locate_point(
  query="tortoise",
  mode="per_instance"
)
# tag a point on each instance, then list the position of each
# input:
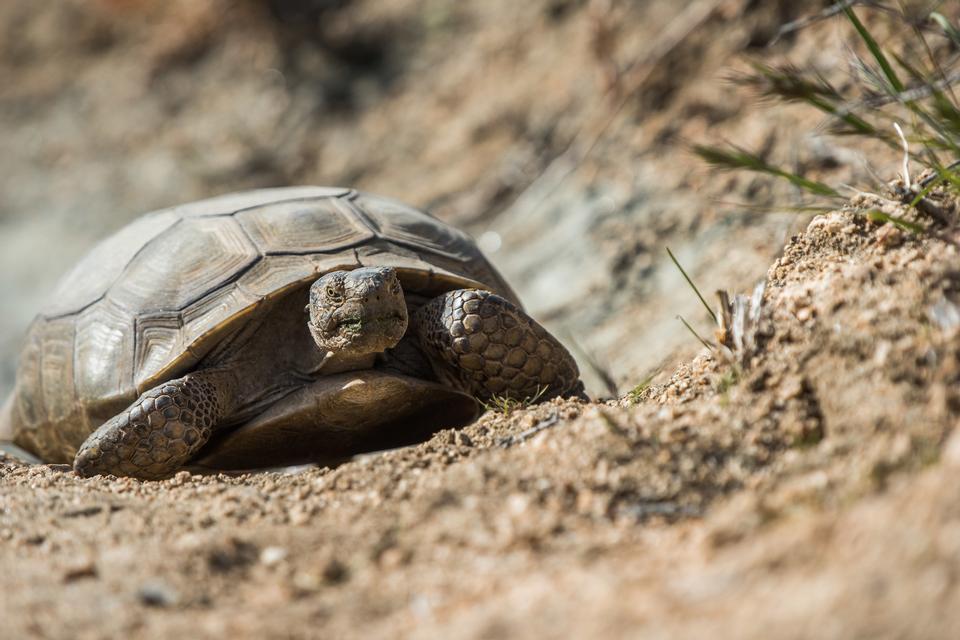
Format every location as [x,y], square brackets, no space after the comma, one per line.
[272,327]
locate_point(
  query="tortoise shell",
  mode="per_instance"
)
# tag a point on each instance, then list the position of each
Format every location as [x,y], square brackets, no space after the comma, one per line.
[150,301]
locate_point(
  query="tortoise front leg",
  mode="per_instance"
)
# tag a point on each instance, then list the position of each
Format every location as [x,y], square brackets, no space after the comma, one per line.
[163,429]
[484,345]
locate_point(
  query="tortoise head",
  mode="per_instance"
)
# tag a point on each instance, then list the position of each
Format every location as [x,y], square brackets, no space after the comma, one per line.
[357,313]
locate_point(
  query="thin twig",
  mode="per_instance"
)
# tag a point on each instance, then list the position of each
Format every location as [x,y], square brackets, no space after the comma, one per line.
[523,436]
[905,170]
[826,14]
[910,95]
[937,176]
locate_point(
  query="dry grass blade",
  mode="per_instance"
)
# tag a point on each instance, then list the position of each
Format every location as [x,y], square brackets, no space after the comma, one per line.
[692,286]
[915,93]
[886,82]
[739,321]
[826,14]
[695,334]
[948,29]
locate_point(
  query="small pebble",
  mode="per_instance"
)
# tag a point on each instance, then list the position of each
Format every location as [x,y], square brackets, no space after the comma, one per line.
[83,569]
[951,451]
[272,555]
[306,581]
[298,515]
[157,594]
[335,572]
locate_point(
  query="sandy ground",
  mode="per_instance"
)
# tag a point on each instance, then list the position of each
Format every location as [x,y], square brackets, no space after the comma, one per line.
[802,488]
[810,490]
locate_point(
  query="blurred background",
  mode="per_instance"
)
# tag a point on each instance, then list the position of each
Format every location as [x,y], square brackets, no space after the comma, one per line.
[555,131]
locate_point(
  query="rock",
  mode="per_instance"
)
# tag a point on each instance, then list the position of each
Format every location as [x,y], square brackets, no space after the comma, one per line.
[157,594]
[84,568]
[271,556]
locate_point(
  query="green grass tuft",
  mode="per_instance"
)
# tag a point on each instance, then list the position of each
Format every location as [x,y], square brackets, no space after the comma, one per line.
[506,404]
[635,395]
[875,50]
[912,88]
[906,225]
[728,380]
[734,157]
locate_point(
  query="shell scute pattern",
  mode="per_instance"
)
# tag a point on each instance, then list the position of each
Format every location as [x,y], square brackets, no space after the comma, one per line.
[302,227]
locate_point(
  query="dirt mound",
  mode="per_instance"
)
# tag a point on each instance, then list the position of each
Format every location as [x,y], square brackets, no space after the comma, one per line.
[808,491]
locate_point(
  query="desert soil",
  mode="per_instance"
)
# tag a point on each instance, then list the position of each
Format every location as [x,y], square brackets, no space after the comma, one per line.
[802,487]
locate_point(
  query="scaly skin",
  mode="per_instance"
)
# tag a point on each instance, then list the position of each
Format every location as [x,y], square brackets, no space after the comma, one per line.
[159,432]
[486,346]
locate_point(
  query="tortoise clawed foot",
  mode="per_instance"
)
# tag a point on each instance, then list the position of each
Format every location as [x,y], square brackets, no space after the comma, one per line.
[487,346]
[158,433]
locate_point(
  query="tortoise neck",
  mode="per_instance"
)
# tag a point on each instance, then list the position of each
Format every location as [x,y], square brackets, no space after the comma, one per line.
[338,363]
